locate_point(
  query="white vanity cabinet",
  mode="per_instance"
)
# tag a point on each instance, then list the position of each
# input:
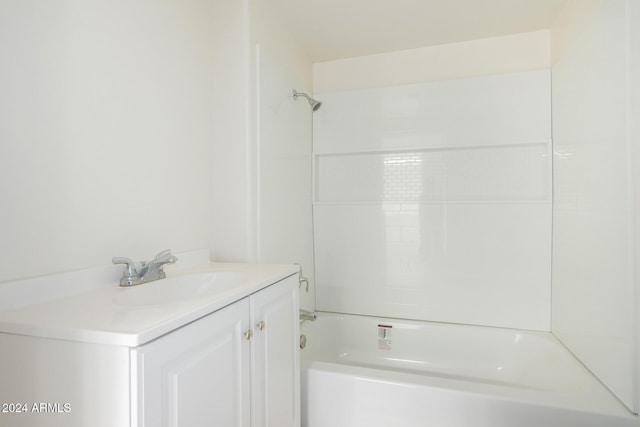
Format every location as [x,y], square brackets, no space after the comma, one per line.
[237,367]
[110,357]
[276,363]
[199,372]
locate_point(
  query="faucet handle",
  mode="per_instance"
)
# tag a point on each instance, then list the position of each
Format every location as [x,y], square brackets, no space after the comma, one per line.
[130,271]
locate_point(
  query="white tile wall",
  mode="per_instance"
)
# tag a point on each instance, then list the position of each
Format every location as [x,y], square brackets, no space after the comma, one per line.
[594,272]
[490,110]
[464,262]
[433,201]
[489,173]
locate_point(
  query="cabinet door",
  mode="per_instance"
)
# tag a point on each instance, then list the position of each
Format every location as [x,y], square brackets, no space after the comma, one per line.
[197,375]
[276,361]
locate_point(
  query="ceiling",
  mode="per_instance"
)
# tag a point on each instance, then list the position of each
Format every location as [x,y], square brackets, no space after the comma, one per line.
[335,29]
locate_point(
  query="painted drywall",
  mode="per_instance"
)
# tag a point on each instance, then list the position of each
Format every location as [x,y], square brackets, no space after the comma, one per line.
[233,232]
[284,230]
[634,114]
[595,233]
[105,129]
[132,128]
[519,52]
[262,150]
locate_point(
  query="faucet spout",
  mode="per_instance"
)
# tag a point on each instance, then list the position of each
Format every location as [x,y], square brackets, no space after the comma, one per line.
[153,270]
[307,315]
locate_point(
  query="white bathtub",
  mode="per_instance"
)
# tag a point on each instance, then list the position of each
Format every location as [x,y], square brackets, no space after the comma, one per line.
[360,371]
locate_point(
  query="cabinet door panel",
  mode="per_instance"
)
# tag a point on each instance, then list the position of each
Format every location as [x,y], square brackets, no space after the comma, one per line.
[198,375]
[276,362]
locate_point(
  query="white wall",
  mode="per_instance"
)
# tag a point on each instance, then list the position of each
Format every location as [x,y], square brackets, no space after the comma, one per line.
[519,52]
[284,231]
[105,131]
[595,127]
[132,127]
[262,150]
[233,161]
[634,114]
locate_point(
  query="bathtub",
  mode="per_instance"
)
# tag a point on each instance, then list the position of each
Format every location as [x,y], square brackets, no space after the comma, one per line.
[360,371]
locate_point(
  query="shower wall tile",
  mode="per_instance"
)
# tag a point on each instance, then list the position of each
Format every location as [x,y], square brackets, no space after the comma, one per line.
[464,262]
[433,201]
[489,110]
[595,275]
[476,173]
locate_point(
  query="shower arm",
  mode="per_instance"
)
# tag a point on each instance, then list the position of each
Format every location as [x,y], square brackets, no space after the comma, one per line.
[296,94]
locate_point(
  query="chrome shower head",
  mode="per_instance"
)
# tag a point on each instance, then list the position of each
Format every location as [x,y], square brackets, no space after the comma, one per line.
[315,104]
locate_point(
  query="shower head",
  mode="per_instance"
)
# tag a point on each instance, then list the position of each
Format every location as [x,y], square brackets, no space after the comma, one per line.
[315,104]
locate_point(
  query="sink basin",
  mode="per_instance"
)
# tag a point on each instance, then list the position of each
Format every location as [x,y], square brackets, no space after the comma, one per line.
[175,289]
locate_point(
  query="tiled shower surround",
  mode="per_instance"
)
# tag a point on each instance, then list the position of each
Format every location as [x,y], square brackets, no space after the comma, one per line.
[432,201]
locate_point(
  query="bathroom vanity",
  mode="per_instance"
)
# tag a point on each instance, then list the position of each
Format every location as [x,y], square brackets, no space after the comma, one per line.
[220,350]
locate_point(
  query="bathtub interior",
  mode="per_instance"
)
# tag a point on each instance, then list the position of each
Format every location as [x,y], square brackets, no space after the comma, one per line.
[473,353]
[515,367]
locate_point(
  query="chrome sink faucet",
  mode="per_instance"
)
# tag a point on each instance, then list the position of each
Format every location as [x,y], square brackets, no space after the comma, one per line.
[149,270]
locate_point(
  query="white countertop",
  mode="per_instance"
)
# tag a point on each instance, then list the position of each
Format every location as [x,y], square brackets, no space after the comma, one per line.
[98,316]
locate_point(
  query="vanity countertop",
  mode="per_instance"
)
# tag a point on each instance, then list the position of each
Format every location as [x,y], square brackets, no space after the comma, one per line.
[105,315]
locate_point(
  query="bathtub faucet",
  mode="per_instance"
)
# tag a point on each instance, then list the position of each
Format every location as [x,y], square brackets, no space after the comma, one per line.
[149,270]
[307,315]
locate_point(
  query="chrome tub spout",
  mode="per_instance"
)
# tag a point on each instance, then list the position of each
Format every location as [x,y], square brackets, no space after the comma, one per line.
[307,315]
